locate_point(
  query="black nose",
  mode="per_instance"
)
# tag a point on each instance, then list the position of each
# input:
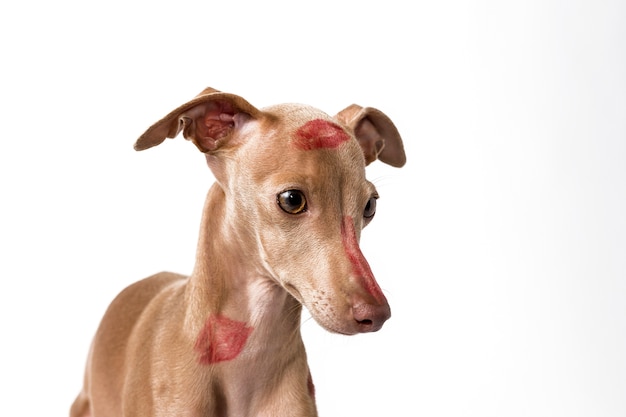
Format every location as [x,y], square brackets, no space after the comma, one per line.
[370,317]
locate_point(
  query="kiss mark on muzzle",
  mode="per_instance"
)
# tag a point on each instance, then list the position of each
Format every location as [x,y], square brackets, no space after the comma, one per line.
[360,267]
[318,133]
[221,339]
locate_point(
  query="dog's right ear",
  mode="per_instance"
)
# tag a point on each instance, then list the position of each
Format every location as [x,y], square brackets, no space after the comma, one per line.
[376,134]
[207,121]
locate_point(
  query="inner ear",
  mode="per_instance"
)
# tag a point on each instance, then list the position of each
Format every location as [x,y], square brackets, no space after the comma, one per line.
[370,140]
[208,125]
[376,127]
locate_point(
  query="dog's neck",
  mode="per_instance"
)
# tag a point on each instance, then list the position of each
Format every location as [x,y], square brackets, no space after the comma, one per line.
[229,279]
[239,296]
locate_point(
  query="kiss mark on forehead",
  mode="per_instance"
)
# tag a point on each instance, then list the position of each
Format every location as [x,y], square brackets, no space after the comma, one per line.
[318,133]
[360,267]
[221,339]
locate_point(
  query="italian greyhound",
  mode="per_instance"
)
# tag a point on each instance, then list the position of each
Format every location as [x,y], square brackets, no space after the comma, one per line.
[280,229]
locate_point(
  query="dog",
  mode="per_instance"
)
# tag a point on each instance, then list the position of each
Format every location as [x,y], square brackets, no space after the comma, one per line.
[280,229]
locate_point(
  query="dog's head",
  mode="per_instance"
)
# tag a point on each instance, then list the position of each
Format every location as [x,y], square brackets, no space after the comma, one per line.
[297,198]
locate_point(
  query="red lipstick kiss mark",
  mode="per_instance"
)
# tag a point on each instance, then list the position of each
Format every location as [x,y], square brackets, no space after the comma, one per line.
[221,339]
[360,266]
[318,133]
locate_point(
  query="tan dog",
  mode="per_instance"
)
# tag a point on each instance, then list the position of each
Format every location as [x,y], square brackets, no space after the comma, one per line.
[280,229]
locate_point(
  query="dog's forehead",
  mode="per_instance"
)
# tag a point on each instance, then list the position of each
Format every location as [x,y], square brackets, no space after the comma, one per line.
[308,128]
[302,139]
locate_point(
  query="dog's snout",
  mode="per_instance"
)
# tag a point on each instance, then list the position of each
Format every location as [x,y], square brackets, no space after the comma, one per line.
[370,317]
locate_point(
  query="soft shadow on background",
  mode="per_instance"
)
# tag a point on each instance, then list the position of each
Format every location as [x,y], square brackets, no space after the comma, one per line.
[501,246]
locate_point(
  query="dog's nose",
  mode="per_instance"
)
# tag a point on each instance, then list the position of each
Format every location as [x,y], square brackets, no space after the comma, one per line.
[370,317]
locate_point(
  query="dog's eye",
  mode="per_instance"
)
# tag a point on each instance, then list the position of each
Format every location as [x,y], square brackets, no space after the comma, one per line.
[370,208]
[292,201]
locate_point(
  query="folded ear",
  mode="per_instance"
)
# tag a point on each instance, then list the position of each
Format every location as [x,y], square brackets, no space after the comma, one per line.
[376,134]
[207,121]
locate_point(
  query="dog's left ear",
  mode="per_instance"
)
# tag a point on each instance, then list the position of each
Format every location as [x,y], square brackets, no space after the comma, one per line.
[376,134]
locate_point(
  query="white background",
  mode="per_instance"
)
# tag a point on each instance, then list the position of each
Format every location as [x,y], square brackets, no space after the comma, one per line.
[501,245]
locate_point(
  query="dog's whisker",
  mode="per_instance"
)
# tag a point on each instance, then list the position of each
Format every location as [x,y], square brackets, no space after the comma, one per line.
[383,180]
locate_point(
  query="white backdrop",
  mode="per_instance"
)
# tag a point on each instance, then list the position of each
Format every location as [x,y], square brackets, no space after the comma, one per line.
[501,246]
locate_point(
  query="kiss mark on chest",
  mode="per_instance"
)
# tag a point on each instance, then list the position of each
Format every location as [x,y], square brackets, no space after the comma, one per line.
[360,267]
[221,339]
[318,133]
